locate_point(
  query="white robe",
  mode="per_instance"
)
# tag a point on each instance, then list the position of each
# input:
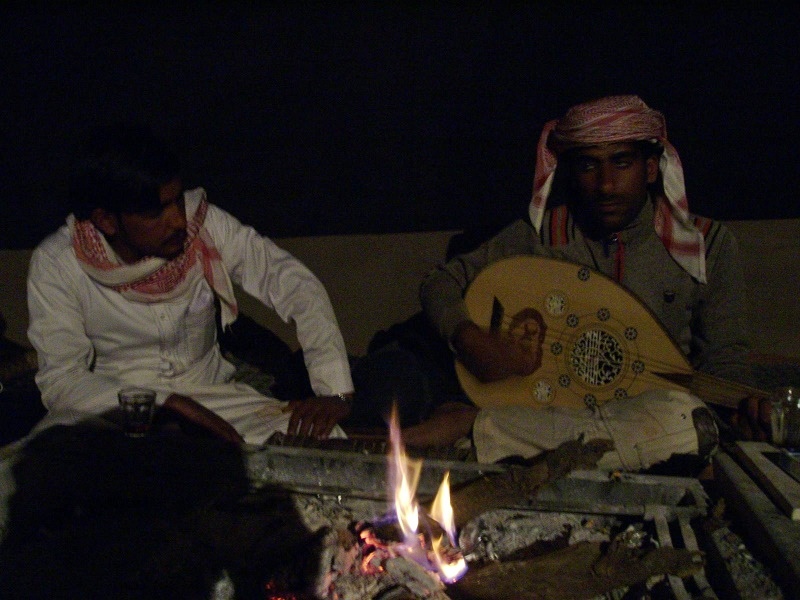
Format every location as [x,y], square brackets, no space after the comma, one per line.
[91,341]
[646,429]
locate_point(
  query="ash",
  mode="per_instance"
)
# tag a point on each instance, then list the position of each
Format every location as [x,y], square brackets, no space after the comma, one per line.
[335,512]
[500,534]
[749,576]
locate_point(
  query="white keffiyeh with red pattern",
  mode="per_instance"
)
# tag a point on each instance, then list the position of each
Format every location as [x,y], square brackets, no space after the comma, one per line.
[623,119]
[153,279]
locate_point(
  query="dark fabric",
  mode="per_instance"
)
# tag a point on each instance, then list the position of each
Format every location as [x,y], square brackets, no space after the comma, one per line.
[97,515]
[20,401]
[256,345]
[20,408]
[775,374]
[408,365]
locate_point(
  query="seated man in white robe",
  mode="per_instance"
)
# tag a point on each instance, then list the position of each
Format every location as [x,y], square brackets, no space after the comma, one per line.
[126,294]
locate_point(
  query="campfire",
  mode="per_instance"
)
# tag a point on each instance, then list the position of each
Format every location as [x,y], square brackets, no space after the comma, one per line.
[280,522]
[507,524]
[407,548]
[433,546]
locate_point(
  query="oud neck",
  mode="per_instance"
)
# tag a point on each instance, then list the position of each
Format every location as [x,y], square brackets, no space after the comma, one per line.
[723,392]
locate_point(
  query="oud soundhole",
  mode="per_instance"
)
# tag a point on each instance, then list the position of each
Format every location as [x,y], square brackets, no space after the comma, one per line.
[597,358]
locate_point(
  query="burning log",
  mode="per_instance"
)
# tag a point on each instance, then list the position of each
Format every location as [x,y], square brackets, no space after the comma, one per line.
[520,483]
[583,570]
[577,572]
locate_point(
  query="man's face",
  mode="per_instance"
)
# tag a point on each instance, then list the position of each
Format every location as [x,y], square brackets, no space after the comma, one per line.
[611,183]
[160,232]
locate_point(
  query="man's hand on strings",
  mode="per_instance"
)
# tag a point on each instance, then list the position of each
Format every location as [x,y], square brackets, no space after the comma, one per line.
[492,356]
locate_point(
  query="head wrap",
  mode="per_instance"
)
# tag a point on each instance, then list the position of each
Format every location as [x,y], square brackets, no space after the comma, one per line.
[624,119]
[153,279]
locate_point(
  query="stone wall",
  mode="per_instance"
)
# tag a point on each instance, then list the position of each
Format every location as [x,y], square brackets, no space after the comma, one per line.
[373,282]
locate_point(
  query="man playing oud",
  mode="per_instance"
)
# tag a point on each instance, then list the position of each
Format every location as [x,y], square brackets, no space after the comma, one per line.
[608,194]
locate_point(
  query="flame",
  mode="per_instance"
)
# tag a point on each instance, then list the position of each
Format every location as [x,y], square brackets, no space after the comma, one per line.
[451,566]
[442,510]
[404,476]
[449,562]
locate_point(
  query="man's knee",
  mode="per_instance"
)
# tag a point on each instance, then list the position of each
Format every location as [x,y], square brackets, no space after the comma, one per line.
[674,423]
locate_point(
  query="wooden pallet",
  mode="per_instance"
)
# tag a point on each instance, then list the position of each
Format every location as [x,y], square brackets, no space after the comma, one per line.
[781,487]
[772,536]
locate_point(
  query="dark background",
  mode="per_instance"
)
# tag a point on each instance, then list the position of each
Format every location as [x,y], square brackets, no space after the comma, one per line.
[306,119]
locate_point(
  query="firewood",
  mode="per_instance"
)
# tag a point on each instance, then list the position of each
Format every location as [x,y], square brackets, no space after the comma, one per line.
[521,482]
[578,572]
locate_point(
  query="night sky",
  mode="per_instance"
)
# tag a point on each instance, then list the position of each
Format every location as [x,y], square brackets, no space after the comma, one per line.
[304,119]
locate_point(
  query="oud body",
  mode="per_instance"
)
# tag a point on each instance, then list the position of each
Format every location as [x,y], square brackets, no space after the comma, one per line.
[600,341]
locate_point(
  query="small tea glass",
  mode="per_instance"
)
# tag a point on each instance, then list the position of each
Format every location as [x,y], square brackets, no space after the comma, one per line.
[785,417]
[138,405]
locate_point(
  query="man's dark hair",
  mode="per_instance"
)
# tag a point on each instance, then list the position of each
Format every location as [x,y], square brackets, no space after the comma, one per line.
[121,169]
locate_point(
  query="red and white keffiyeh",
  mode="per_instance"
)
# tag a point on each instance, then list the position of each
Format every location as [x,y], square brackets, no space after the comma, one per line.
[622,119]
[153,279]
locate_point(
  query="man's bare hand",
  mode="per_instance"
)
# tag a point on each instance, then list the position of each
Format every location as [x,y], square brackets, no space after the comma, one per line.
[754,418]
[492,356]
[198,415]
[316,417]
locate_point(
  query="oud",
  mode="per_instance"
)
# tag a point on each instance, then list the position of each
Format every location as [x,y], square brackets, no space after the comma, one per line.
[599,341]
